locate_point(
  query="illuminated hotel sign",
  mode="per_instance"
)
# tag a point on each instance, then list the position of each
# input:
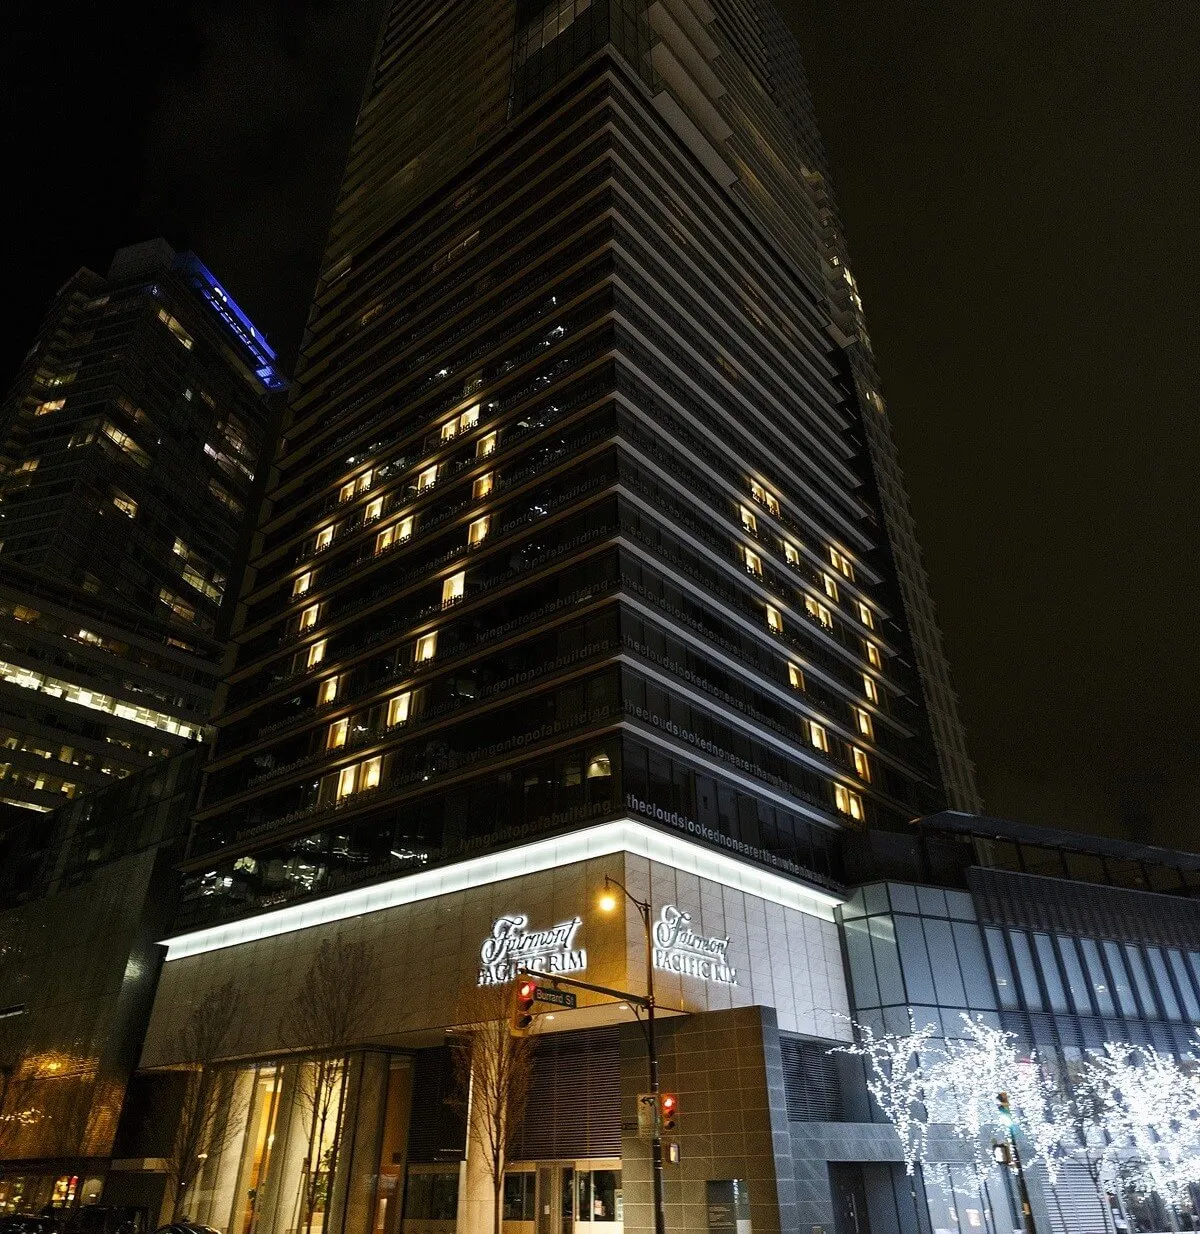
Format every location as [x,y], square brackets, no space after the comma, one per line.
[511,947]
[679,949]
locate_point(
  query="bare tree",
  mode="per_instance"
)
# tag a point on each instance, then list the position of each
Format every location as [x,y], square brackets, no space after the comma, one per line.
[493,1071]
[206,1123]
[327,1016]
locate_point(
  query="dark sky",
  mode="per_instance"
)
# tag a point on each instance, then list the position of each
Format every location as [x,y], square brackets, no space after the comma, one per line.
[1019,184]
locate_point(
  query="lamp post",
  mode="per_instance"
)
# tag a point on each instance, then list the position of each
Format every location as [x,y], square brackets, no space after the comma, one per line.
[608,903]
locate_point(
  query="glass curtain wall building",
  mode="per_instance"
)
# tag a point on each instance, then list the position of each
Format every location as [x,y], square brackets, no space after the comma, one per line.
[133,446]
[582,509]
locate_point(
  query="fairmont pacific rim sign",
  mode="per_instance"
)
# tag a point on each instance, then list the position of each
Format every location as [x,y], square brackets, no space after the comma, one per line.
[679,949]
[512,947]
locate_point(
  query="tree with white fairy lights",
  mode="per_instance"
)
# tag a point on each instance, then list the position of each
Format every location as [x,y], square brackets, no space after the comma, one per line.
[1144,1118]
[918,1079]
[1133,1113]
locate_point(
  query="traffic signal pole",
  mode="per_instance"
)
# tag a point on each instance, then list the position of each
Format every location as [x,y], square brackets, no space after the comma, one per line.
[1006,1117]
[656,1154]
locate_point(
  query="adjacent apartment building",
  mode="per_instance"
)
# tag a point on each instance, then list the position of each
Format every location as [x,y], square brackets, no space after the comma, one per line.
[133,448]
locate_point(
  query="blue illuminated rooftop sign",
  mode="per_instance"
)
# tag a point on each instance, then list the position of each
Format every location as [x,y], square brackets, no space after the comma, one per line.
[236,322]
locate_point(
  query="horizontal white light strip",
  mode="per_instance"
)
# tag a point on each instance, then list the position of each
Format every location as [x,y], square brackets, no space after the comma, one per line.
[625,836]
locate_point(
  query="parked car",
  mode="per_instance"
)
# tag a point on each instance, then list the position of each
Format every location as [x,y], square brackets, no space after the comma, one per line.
[29,1223]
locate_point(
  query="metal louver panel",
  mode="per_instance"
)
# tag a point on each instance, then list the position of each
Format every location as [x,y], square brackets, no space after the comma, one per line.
[810,1081]
[575,1101]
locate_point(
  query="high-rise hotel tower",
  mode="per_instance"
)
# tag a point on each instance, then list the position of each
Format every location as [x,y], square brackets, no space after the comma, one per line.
[587,505]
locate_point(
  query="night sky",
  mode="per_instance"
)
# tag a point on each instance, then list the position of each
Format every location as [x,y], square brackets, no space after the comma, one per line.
[1020,188]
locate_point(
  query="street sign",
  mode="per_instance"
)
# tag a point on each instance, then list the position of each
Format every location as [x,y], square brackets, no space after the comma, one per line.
[560,998]
[647,1112]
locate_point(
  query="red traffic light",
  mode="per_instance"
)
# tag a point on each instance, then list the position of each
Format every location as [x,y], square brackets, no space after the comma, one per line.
[522,1013]
[669,1107]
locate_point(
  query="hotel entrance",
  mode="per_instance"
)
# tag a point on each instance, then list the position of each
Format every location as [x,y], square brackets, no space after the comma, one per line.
[580,1197]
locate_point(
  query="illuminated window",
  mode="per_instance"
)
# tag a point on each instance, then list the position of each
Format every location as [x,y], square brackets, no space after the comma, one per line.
[774,620]
[347,781]
[862,719]
[818,736]
[346,491]
[337,734]
[486,445]
[791,552]
[753,562]
[302,585]
[308,618]
[426,647]
[373,511]
[385,539]
[316,653]
[861,764]
[841,563]
[866,616]
[873,656]
[870,689]
[126,505]
[482,487]
[460,424]
[599,766]
[398,707]
[831,587]
[427,478]
[327,691]
[848,802]
[815,609]
[44,409]
[177,604]
[325,537]
[31,464]
[477,531]
[453,587]
[176,327]
[761,495]
[749,522]
[125,443]
[795,677]
[370,773]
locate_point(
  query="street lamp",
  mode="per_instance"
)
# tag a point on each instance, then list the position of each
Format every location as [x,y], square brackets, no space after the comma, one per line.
[608,902]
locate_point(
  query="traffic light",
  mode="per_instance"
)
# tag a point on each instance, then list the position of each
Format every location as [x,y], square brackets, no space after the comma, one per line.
[669,1106]
[522,1015]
